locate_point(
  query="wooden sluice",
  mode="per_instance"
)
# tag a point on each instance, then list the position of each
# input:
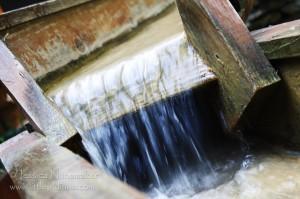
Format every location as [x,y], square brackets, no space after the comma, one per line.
[53,36]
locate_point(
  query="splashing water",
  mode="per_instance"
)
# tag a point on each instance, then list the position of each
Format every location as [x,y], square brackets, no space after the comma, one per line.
[165,148]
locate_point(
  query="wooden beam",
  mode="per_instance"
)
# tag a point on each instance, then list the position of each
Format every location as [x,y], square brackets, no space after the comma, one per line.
[218,34]
[22,15]
[280,41]
[53,41]
[42,169]
[42,114]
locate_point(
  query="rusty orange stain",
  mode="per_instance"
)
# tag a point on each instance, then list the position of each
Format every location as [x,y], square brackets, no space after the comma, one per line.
[53,41]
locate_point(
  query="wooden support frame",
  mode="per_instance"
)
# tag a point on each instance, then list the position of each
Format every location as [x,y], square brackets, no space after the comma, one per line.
[219,35]
[22,15]
[42,169]
[41,113]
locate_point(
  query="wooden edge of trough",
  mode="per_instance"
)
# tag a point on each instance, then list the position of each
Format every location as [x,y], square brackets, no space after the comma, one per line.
[43,115]
[22,15]
[42,169]
[50,42]
[53,41]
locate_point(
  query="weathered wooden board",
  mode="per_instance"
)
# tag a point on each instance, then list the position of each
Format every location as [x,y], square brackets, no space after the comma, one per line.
[28,13]
[280,41]
[219,35]
[50,42]
[42,169]
[39,110]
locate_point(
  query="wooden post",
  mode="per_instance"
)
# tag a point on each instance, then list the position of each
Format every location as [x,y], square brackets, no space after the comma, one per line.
[219,35]
[41,112]
[42,169]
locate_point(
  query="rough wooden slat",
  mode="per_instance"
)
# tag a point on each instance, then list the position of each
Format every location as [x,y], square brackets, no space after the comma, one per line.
[50,42]
[222,39]
[16,17]
[280,41]
[45,170]
[39,110]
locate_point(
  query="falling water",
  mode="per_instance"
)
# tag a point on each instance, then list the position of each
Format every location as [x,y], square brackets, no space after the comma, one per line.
[166,142]
[144,123]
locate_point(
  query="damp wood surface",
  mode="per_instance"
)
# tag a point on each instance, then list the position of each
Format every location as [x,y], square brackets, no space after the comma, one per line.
[40,111]
[141,39]
[280,41]
[16,17]
[43,169]
[50,42]
[222,39]
[147,36]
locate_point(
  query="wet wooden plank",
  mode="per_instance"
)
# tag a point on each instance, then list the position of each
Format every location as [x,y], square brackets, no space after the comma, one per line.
[42,169]
[28,13]
[27,94]
[53,41]
[223,40]
[280,41]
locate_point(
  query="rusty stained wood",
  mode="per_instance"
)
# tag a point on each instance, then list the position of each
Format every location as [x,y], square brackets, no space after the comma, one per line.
[53,41]
[50,42]
[222,39]
[45,170]
[16,17]
[280,41]
[43,115]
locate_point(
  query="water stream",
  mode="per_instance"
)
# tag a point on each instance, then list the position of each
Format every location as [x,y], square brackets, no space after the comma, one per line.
[166,148]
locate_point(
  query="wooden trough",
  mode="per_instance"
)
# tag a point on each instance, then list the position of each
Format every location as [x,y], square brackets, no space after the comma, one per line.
[52,36]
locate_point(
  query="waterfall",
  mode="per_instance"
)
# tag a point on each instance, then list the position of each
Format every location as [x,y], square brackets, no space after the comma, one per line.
[147,121]
[165,147]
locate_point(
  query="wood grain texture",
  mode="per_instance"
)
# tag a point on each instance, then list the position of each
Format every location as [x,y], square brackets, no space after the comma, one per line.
[50,42]
[16,17]
[43,115]
[222,39]
[43,169]
[280,41]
